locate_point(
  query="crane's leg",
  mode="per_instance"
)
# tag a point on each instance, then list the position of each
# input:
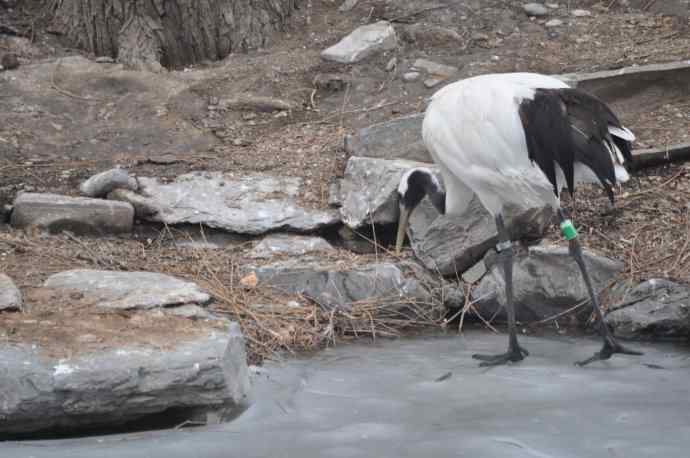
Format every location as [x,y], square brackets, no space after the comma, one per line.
[611,345]
[515,352]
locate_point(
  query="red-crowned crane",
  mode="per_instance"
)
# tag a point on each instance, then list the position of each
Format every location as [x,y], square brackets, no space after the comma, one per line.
[518,139]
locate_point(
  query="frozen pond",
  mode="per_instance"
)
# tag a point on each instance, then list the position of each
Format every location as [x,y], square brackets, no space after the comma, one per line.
[396,399]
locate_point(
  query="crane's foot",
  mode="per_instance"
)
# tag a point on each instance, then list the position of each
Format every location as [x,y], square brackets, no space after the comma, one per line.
[610,348]
[513,355]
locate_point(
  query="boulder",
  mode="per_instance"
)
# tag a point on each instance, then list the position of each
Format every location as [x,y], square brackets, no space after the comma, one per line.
[80,215]
[251,204]
[361,43]
[128,290]
[10,296]
[546,281]
[101,184]
[332,286]
[107,389]
[369,190]
[289,245]
[400,138]
[654,309]
[451,244]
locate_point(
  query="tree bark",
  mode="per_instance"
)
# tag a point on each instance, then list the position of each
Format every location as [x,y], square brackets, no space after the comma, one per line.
[170,33]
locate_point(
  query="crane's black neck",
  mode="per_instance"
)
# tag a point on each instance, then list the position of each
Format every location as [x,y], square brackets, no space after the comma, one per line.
[420,183]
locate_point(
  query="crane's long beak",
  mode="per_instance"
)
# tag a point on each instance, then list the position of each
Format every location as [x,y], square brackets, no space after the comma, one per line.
[402,229]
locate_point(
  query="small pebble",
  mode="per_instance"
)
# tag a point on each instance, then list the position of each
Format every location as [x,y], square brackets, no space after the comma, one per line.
[410,76]
[535,9]
[431,82]
[580,13]
[554,23]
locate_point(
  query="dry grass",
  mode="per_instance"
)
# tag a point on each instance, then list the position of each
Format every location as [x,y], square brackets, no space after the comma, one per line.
[649,231]
[272,320]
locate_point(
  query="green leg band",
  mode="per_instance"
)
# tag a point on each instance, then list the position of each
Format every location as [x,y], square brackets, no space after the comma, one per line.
[568,230]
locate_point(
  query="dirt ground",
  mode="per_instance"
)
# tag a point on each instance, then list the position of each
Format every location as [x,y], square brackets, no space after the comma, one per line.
[62,121]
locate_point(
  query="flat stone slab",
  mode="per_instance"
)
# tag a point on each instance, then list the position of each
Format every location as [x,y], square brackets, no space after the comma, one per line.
[546,281]
[427,397]
[361,43]
[10,295]
[400,138]
[289,245]
[129,290]
[654,309]
[369,190]
[251,204]
[109,388]
[333,286]
[81,215]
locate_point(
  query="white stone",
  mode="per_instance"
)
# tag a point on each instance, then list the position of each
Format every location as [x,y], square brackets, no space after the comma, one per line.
[535,9]
[10,296]
[410,76]
[363,42]
[554,23]
[580,13]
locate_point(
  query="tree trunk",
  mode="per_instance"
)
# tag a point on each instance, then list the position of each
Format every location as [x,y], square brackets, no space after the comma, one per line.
[172,33]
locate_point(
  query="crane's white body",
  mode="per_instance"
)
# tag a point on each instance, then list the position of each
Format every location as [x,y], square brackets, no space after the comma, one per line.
[473,130]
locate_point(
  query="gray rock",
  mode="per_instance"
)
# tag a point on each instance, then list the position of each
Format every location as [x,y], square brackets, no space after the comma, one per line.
[101,184]
[438,71]
[332,286]
[113,387]
[553,23]
[535,9]
[251,204]
[77,214]
[288,245]
[191,311]
[451,244]
[400,138]
[475,273]
[411,76]
[369,190]
[546,281]
[105,60]
[10,296]
[363,42]
[655,309]
[334,198]
[128,290]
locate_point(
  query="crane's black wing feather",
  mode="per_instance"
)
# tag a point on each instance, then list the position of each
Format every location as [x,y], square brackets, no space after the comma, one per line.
[564,126]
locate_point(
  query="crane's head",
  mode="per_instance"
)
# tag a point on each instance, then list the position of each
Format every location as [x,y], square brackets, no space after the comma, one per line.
[414,185]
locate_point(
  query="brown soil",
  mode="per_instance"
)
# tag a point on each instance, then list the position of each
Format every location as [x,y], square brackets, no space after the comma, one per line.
[650,233]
